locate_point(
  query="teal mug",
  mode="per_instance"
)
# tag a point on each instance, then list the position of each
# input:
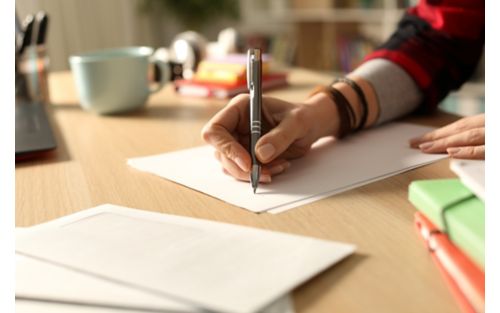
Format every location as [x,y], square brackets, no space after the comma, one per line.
[115,80]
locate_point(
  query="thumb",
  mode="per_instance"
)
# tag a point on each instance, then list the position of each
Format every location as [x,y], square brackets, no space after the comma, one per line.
[279,139]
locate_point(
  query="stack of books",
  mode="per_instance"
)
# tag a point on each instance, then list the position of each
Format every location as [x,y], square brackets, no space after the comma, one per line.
[226,77]
[450,219]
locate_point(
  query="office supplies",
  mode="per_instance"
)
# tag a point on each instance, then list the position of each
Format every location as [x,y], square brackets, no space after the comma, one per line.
[254,83]
[42,21]
[45,287]
[188,48]
[230,70]
[310,178]
[471,174]
[456,266]
[206,264]
[19,32]
[455,210]
[28,33]
[192,88]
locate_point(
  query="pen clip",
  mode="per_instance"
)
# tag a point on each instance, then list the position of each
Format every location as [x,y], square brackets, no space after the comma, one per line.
[250,69]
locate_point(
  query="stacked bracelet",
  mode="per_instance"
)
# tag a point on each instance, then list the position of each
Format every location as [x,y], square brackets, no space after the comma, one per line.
[347,117]
[362,98]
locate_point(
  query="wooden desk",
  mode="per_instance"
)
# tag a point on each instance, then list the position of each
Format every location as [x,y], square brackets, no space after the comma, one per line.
[390,272]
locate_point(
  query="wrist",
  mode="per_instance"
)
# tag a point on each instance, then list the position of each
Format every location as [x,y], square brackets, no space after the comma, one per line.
[326,121]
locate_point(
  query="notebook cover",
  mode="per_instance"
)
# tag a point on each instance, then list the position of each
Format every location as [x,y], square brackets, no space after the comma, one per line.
[471,174]
[464,218]
[464,278]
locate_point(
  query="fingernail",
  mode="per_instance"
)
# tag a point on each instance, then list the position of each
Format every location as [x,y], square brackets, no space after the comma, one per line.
[239,161]
[452,151]
[266,151]
[414,140]
[276,169]
[425,145]
[264,178]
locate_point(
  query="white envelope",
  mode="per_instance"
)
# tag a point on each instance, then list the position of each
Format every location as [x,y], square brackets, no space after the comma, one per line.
[44,287]
[184,261]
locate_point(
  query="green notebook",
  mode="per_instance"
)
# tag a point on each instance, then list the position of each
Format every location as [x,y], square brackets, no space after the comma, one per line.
[464,213]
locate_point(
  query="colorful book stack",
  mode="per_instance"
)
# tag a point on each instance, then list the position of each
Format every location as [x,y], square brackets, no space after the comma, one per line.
[226,77]
[450,219]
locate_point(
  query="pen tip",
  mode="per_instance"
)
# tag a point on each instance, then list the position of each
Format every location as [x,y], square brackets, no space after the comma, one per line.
[254,190]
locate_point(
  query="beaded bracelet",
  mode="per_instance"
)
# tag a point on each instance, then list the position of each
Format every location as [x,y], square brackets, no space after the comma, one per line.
[362,98]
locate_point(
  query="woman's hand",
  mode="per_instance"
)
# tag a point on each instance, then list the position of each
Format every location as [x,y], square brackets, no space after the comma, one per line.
[289,130]
[463,139]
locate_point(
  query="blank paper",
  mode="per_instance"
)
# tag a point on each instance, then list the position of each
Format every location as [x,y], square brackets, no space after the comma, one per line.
[329,168]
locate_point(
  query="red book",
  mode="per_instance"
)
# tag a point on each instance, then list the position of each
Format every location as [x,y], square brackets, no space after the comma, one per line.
[223,91]
[464,278]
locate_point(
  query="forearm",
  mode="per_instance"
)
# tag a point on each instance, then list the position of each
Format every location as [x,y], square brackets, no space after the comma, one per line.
[395,92]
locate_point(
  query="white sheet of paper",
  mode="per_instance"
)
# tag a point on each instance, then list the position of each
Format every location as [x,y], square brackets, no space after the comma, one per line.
[329,168]
[45,287]
[204,264]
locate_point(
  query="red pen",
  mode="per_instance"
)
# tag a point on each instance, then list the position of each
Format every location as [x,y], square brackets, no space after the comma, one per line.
[463,277]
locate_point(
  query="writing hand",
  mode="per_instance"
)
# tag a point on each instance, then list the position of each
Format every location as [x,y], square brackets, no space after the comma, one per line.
[463,139]
[289,130]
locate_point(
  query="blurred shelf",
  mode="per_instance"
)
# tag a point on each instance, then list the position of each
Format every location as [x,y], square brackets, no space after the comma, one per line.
[330,16]
[344,15]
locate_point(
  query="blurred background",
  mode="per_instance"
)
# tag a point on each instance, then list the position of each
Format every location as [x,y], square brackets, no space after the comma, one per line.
[341,32]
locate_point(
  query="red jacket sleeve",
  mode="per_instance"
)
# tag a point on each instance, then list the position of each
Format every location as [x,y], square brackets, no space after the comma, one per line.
[438,43]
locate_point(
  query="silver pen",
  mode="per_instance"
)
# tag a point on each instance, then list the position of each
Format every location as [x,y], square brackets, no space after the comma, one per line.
[254,82]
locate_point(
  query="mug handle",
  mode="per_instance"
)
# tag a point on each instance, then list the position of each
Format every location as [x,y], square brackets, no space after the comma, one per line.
[163,76]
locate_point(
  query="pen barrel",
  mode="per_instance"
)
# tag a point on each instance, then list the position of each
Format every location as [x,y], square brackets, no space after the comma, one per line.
[254,137]
[254,82]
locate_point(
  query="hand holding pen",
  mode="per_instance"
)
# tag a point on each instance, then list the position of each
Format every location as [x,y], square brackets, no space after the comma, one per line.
[288,131]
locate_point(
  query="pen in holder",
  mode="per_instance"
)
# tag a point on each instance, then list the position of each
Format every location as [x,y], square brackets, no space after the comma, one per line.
[32,74]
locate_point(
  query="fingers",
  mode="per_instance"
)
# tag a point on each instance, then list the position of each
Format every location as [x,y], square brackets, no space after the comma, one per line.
[459,126]
[231,168]
[471,137]
[218,133]
[470,152]
[280,138]
[276,167]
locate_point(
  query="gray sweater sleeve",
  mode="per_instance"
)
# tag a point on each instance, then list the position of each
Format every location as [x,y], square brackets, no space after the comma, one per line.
[397,92]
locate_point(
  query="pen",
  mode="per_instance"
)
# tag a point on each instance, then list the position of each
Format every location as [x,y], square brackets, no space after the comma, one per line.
[28,32]
[254,82]
[19,31]
[42,20]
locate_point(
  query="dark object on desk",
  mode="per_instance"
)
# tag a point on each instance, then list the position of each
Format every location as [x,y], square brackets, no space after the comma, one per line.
[28,24]
[42,21]
[175,69]
[33,131]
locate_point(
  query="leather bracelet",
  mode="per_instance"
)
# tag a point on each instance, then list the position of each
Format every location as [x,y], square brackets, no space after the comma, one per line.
[344,109]
[361,96]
